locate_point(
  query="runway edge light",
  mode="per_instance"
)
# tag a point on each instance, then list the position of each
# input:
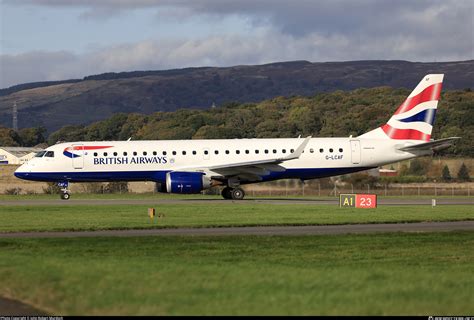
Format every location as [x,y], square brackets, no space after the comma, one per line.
[151,213]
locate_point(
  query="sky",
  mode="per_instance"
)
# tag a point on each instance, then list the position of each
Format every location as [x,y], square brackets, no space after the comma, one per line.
[44,40]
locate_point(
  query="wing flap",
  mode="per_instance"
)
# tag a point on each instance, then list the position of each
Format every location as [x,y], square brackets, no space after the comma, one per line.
[295,155]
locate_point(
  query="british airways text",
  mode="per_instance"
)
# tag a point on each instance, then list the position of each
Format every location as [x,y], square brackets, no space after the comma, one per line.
[133,160]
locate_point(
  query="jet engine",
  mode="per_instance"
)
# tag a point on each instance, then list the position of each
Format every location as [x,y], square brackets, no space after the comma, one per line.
[185,182]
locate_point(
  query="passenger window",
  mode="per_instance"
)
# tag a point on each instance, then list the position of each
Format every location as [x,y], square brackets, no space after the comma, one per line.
[49,154]
[144,153]
[216,151]
[237,151]
[283,150]
[206,152]
[184,153]
[154,153]
[266,150]
[124,154]
[340,150]
[274,151]
[134,153]
[311,150]
[164,153]
[256,151]
[321,150]
[247,152]
[227,152]
[194,152]
[292,150]
[105,154]
[95,154]
[115,154]
[331,150]
[174,153]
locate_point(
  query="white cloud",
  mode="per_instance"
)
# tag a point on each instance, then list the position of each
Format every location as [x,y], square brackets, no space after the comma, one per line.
[282,30]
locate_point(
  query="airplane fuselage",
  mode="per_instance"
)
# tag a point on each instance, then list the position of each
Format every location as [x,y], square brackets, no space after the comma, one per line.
[151,160]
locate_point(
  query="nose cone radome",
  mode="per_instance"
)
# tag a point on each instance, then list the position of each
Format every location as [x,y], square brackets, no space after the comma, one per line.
[22,172]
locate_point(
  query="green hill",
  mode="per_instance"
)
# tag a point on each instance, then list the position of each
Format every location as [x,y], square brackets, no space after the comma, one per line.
[81,102]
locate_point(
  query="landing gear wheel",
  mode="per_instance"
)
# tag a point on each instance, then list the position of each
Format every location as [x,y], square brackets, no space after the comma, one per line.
[237,194]
[64,189]
[226,193]
[65,196]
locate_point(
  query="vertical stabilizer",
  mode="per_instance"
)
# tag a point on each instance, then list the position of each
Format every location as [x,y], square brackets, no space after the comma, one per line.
[414,118]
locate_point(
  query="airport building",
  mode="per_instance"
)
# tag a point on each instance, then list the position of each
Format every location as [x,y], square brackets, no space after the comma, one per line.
[17,155]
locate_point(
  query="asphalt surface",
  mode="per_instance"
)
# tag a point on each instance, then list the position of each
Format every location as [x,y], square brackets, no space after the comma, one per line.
[267,230]
[9,307]
[273,201]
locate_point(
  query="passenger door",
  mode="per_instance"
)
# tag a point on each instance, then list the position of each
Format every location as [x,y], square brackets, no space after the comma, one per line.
[78,156]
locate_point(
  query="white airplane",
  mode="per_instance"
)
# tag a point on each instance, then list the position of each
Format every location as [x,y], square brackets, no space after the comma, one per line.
[190,166]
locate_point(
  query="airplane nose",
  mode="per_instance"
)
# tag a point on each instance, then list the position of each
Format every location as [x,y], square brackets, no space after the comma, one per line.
[22,172]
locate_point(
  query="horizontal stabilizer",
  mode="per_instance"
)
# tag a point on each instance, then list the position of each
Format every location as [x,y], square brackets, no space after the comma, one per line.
[432,145]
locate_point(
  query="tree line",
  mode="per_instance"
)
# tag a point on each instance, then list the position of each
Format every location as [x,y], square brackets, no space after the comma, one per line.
[340,113]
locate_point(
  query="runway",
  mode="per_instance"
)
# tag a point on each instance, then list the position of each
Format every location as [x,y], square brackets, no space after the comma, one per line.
[9,307]
[259,231]
[217,201]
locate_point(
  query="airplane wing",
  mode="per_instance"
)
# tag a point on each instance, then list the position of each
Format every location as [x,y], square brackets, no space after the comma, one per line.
[253,170]
[432,145]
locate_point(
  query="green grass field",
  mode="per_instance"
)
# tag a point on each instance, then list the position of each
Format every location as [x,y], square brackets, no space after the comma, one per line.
[379,274]
[101,217]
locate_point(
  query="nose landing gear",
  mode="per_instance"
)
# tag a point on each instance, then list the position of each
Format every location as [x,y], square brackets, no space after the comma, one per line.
[65,195]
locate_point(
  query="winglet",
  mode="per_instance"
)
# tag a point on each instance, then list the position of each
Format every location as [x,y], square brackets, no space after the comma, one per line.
[297,153]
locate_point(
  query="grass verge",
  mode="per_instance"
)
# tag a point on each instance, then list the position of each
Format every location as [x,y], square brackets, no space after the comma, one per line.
[381,274]
[89,217]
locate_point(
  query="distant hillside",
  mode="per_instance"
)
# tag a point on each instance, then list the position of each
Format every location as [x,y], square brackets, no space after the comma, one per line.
[72,102]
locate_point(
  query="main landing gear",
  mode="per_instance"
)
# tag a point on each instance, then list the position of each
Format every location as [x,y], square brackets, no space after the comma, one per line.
[65,195]
[233,193]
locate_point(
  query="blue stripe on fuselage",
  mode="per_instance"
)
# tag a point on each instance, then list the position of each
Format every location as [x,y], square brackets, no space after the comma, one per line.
[160,176]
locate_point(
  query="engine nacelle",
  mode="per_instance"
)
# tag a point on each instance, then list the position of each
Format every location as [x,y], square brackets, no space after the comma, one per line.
[186,182]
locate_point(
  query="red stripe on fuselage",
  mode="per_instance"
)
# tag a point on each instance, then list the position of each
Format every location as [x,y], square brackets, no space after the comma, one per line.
[88,147]
[429,94]
[405,134]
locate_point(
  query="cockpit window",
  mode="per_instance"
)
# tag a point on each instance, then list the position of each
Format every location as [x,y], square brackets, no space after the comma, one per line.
[49,154]
[40,154]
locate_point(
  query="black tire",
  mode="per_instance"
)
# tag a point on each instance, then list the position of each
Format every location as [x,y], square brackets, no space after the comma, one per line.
[226,193]
[65,196]
[238,194]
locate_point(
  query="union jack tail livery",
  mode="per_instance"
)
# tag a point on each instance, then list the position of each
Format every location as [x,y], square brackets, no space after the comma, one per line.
[414,118]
